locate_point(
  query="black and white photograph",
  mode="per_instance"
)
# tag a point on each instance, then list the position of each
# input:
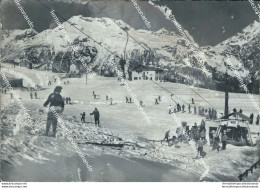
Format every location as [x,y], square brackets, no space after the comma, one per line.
[130,91]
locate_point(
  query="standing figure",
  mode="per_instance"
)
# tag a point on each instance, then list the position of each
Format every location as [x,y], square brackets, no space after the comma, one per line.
[189,108]
[224,141]
[257,120]
[141,103]
[195,110]
[96,116]
[156,101]
[200,144]
[159,98]
[67,100]
[192,100]
[183,108]
[11,94]
[167,135]
[95,96]
[35,95]
[106,97]
[130,100]
[83,116]
[251,118]
[240,111]
[31,95]
[56,102]
[170,109]
[126,99]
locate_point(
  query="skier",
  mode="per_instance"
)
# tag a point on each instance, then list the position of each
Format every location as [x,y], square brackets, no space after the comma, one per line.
[126,99]
[67,100]
[240,111]
[156,101]
[31,95]
[189,108]
[224,141]
[55,100]
[111,102]
[192,100]
[93,93]
[167,135]
[159,98]
[195,110]
[215,143]
[106,97]
[200,144]
[170,109]
[251,118]
[130,100]
[178,107]
[257,120]
[183,108]
[35,95]
[83,117]
[141,103]
[96,116]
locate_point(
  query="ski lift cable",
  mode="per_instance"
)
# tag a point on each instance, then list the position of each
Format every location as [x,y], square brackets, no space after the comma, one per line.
[166,90]
[201,97]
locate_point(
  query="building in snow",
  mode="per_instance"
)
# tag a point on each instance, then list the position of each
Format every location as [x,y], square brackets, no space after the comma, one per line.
[74,72]
[142,72]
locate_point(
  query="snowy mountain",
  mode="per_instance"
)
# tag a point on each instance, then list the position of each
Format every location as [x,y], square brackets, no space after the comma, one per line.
[163,48]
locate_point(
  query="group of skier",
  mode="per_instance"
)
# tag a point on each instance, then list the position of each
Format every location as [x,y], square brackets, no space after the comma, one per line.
[56,101]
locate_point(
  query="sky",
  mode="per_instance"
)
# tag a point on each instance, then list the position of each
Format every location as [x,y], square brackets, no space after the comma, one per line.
[208,22]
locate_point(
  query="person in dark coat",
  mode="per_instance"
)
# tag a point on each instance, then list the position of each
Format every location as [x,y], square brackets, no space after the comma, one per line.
[224,141]
[215,143]
[240,111]
[126,99]
[183,108]
[96,116]
[11,94]
[195,110]
[251,118]
[67,100]
[83,116]
[189,108]
[31,95]
[192,100]
[55,100]
[167,135]
[257,120]
[35,95]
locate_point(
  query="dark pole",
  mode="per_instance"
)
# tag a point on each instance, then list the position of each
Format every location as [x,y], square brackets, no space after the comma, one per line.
[226,93]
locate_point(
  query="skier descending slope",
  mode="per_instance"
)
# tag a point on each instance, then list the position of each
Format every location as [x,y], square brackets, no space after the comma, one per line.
[54,99]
